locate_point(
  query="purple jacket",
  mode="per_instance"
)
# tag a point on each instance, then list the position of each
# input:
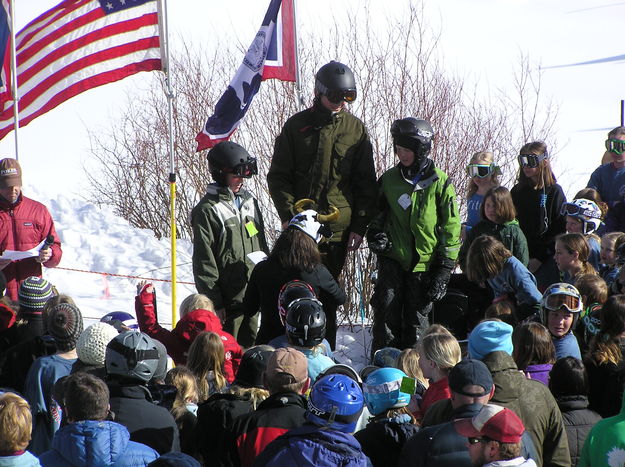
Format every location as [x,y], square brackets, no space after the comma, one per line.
[539,372]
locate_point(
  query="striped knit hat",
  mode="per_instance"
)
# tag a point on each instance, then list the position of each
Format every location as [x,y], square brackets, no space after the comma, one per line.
[65,325]
[34,293]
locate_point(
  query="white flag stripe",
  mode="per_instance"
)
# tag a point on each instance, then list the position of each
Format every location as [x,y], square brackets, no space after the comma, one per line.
[74,55]
[96,69]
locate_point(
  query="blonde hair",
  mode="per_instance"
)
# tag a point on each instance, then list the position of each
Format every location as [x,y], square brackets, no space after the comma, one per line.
[486,158]
[408,362]
[206,354]
[196,301]
[15,423]
[443,349]
[254,395]
[186,385]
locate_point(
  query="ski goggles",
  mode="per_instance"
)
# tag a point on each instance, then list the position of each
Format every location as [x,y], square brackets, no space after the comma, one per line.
[572,209]
[531,160]
[615,145]
[336,96]
[569,302]
[480,170]
[244,170]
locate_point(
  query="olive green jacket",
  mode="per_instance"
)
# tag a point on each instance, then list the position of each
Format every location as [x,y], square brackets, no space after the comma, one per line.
[223,236]
[327,158]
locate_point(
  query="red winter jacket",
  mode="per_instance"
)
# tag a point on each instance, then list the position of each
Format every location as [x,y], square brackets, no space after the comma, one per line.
[24,225]
[178,340]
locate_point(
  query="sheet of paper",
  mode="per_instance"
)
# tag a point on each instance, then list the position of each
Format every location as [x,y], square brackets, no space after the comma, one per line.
[257,256]
[17,255]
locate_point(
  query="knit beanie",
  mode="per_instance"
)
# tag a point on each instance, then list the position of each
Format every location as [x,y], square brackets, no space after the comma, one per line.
[490,336]
[33,294]
[91,345]
[65,325]
[253,365]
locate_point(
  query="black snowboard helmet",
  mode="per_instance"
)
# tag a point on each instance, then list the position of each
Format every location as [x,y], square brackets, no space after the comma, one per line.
[230,158]
[336,81]
[305,322]
[414,134]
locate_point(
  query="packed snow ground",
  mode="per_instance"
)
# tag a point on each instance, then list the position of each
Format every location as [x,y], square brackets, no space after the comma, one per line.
[94,239]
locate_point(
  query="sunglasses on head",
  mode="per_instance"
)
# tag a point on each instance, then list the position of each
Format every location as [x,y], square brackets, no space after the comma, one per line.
[615,145]
[480,170]
[483,439]
[531,160]
[244,170]
[336,96]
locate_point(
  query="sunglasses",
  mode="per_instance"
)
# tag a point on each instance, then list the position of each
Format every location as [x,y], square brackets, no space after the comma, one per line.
[572,209]
[479,440]
[336,96]
[615,145]
[531,160]
[244,170]
[556,302]
[480,170]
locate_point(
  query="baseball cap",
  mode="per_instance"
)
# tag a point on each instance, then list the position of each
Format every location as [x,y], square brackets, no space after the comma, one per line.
[288,361]
[10,173]
[494,422]
[470,372]
[253,364]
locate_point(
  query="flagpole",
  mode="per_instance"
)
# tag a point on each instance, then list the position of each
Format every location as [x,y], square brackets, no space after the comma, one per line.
[298,87]
[164,28]
[16,112]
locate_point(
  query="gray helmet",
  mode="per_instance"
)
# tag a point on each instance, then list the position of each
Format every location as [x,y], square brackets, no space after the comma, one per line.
[230,158]
[132,355]
[336,81]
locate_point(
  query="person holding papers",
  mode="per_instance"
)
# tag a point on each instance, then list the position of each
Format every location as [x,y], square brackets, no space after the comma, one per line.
[25,226]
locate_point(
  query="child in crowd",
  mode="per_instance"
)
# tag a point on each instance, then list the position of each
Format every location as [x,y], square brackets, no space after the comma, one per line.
[483,176]
[538,199]
[503,310]
[534,353]
[91,349]
[438,353]
[15,431]
[584,216]
[184,408]
[408,362]
[571,256]
[498,219]
[489,261]
[605,361]
[305,330]
[295,255]
[568,383]
[196,315]
[206,362]
[392,423]
[594,292]
[561,307]
[609,245]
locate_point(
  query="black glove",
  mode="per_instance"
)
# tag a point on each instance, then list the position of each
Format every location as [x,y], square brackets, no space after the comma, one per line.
[441,272]
[379,243]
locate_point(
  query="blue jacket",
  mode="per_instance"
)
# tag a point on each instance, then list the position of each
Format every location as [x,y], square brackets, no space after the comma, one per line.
[609,182]
[566,346]
[310,445]
[96,443]
[23,460]
[515,279]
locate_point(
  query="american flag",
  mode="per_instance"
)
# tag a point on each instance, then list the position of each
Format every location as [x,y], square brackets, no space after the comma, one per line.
[5,46]
[79,45]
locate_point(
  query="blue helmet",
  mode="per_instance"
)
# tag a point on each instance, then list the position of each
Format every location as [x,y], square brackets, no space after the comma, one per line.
[382,390]
[117,319]
[335,402]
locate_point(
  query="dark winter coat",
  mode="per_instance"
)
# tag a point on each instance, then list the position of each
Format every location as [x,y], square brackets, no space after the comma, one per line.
[17,360]
[527,202]
[327,158]
[147,422]
[578,420]
[510,234]
[178,340]
[442,446]
[264,287]
[311,445]
[382,440]
[605,383]
[92,443]
[215,420]
[274,416]
[23,226]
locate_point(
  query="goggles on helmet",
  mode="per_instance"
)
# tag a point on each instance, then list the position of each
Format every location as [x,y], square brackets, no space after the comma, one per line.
[572,209]
[531,160]
[244,170]
[336,96]
[571,303]
[480,170]
[615,145]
